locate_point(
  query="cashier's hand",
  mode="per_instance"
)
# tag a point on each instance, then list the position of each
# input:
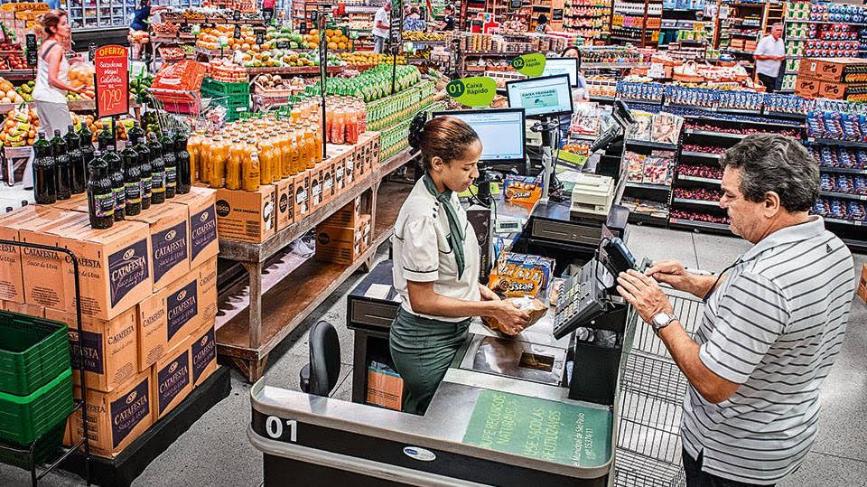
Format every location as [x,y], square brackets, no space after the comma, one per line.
[512,320]
[487,294]
[643,293]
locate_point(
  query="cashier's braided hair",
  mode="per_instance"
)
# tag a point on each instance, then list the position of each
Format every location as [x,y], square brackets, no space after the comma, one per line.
[443,137]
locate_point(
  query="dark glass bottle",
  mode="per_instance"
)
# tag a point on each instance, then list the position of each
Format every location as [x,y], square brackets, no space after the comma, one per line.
[144,162]
[61,163]
[171,163]
[85,140]
[100,194]
[44,172]
[115,172]
[158,170]
[106,140]
[185,175]
[135,133]
[76,163]
[132,180]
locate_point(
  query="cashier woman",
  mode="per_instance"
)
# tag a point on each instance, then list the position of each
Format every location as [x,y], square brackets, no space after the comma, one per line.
[436,263]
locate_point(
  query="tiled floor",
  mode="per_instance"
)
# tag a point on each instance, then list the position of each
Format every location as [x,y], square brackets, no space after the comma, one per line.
[215,451]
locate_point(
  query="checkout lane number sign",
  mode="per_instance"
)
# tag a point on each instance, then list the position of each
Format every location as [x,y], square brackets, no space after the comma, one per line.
[281,429]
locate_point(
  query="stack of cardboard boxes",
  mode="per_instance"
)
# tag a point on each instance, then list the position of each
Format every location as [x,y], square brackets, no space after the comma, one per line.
[836,79]
[148,290]
[255,216]
[344,236]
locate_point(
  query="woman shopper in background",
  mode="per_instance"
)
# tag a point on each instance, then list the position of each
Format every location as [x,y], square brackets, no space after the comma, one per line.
[436,263]
[52,82]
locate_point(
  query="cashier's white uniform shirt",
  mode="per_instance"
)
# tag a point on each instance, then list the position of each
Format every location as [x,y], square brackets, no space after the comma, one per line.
[422,253]
[770,47]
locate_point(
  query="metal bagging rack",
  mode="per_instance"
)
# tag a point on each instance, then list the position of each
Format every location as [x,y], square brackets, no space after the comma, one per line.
[28,452]
[651,391]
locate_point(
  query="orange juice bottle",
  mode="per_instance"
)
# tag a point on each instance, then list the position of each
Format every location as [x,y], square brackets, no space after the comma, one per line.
[275,158]
[233,166]
[193,144]
[217,164]
[309,149]
[317,139]
[294,154]
[265,161]
[250,172]
[283,145]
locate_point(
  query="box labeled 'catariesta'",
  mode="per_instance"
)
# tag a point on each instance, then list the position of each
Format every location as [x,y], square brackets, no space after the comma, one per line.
[201,207]
[203,353]
[171,381]
[167,318]
[169,234]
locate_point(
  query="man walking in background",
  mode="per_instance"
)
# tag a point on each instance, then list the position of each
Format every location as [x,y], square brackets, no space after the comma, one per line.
[769,55]
[380,27]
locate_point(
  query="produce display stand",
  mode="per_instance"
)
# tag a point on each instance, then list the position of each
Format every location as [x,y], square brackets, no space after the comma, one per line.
[27,457]
[19,74]
[247,339]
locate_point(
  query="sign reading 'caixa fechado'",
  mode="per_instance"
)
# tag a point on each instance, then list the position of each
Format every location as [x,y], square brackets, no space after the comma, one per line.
[182,307]
[127,268]
[128,411]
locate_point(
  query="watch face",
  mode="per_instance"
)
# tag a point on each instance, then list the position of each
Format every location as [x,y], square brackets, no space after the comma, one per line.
[661,319]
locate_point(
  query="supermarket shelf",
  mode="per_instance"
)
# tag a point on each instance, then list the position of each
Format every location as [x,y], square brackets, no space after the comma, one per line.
[719,227]
[838,143]
[602,99]
[642,219]
[654,187]
[361,9]
[857,223]
[843,170]
[848,196]
[798,21]
[490,54]
[614,65]
[720,135]
[698,179]
[682,201]
[19,74]
[769,123]
[793,116]
[652,145]
[702,155]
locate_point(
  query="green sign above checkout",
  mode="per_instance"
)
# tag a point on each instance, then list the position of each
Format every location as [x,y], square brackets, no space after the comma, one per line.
[531,65]
[478,91]
[551,431]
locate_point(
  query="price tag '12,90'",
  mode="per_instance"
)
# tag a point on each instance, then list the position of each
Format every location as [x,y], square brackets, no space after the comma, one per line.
[477,91]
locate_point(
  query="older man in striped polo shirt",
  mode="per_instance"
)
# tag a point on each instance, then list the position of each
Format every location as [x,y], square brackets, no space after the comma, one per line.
[774,321]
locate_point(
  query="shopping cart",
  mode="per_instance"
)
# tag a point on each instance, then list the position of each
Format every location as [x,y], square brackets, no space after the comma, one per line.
[651,393]
[176,109]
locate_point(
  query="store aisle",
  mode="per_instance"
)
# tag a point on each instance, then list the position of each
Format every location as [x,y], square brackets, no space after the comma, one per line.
[215,451]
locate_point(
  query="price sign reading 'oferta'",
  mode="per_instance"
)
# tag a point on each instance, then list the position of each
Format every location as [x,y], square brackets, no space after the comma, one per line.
[112,81]
[531,65]
[477,91]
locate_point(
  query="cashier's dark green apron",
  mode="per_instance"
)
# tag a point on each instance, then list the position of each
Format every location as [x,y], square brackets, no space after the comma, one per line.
[422,350]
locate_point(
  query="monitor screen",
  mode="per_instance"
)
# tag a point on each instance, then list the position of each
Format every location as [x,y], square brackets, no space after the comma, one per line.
[548,95]
[562,65]
[501,132]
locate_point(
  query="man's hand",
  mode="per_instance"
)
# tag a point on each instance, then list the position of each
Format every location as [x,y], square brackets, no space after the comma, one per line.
[670,272]
[643,293]
[487,294]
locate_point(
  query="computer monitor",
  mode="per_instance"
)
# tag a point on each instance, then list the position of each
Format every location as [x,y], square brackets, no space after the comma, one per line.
[502,133]
[562,65]
[544,96]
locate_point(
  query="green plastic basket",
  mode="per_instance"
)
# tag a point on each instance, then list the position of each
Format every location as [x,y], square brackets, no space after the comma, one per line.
[33,351]
[45,448]
[223,88]
[23,419]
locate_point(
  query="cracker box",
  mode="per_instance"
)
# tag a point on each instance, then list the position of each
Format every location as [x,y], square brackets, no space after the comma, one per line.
[167,318]
[285,202]
[302,194]
[201,206]
[807,87]
[517,275]
[203,353]
[115,419]
[171,381]
[109,348]
[246,216]
[169,232]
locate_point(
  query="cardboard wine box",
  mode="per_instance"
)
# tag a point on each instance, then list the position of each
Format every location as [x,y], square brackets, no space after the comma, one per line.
[201,205]
[11,274]
[115,271]
[285,202]
[77,202]
[207,287]
[171,381]
[246,216]
[109,348]
[203,353]
[170,238]
[25,309]
[302,195]
[167,318]
[117,418]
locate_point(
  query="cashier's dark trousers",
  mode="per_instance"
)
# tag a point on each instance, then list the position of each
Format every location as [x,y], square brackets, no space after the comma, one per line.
[422,350]
[696,478]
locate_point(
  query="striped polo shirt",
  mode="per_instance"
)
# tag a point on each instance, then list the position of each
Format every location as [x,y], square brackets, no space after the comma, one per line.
[774,326]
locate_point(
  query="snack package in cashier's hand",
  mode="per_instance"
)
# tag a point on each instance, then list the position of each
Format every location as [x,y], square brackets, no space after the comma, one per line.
[523,190]
[518,275]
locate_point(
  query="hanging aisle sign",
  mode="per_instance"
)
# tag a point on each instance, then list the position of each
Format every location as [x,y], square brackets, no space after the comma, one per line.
[111,80]
[531,65]
[478,91]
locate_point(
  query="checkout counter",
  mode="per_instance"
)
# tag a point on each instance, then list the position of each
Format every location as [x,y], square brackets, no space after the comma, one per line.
[529,410]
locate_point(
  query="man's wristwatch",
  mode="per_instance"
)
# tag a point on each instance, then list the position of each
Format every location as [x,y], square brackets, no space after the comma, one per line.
[660,321]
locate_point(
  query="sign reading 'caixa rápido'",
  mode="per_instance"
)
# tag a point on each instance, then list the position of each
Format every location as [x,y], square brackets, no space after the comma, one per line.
[128,267]
[128,411]
[182,307]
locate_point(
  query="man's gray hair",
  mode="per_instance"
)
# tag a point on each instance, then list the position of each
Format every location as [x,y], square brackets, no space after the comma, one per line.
[775,163]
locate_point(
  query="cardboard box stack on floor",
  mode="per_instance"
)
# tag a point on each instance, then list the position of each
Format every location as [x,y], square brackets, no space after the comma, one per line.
[255,216]
[344,236]
[836,79]
[148,289]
